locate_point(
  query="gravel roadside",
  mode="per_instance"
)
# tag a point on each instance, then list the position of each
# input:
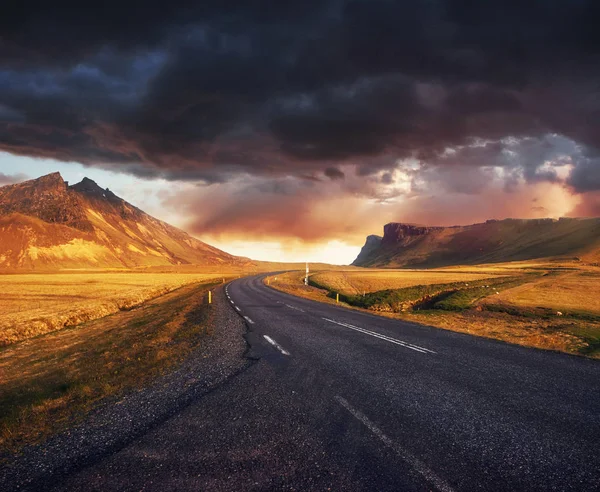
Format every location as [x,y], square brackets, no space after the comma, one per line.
[115,424]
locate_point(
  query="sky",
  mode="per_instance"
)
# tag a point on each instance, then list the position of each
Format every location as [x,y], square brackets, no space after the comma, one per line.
[290,130]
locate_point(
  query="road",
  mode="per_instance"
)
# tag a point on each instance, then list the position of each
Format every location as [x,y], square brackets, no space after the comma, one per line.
[451,411]
[338,399]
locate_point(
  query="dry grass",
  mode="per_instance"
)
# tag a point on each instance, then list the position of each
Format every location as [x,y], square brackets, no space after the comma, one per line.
[577,291]
[293,283]
[35,304]
[360,282]
[51,381]
[543,334]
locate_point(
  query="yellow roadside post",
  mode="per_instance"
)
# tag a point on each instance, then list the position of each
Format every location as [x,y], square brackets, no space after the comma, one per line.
[209,297]
[337,297]
[268,281]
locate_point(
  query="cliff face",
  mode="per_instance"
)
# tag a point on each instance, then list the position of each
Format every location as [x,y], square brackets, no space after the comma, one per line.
[405,245]
[46,224]
[372,243]
[396,232]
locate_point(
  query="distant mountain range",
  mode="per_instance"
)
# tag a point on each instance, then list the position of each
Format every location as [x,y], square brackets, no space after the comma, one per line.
[494,241]
[47,224]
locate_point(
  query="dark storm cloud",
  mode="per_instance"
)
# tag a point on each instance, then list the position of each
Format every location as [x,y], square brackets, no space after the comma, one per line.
[586,175]
[206,90]
[334,173]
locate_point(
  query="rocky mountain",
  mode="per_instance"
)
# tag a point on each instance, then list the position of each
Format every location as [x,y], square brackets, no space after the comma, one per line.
[494,241]
[370,248]
[47,224]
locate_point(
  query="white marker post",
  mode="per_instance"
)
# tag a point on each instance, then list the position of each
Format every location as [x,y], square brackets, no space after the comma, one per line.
[306,276]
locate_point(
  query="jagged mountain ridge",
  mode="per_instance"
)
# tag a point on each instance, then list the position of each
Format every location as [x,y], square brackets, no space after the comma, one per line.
[409,245]
[47,224]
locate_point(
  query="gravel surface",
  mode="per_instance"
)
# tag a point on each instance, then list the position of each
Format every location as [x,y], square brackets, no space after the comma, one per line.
[113,425]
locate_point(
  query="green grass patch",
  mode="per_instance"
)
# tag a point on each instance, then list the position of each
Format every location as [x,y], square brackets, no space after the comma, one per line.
[542,312]
[591,336]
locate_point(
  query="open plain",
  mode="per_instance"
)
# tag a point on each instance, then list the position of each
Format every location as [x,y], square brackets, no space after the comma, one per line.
[34,304]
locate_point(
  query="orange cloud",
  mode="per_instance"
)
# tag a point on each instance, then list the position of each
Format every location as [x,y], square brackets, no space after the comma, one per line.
[298,218]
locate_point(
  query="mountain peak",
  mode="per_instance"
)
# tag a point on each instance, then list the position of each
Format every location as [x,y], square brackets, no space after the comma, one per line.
[48,181]
[46,198]
[91,189]
[55,175]
[89,181]
[87,185]
[52,182]
[44,223]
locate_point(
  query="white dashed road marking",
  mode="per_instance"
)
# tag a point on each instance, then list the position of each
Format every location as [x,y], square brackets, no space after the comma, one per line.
[276,345]
[415,462]
[248,320]
[293,307]
[237,308]
[407,345]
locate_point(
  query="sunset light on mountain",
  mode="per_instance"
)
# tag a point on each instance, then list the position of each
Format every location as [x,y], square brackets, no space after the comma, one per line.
[333,245]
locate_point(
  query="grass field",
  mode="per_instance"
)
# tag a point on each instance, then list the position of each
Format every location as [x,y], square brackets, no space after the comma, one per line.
[575,291]
[361,282]
[50,382]
[34,304]
[552,306]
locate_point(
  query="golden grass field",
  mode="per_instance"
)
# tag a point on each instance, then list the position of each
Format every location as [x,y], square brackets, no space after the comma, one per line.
[50,382]
[575,291]
[358,282]
[548,305]
[34,304]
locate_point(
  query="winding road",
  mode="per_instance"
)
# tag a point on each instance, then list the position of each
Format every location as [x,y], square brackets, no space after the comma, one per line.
[430,408]
[337,399]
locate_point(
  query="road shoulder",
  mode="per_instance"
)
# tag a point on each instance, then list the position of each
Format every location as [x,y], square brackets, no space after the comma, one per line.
[114,424]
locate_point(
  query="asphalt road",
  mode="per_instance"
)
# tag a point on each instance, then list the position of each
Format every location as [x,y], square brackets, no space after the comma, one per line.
[429,408]
[342,400]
